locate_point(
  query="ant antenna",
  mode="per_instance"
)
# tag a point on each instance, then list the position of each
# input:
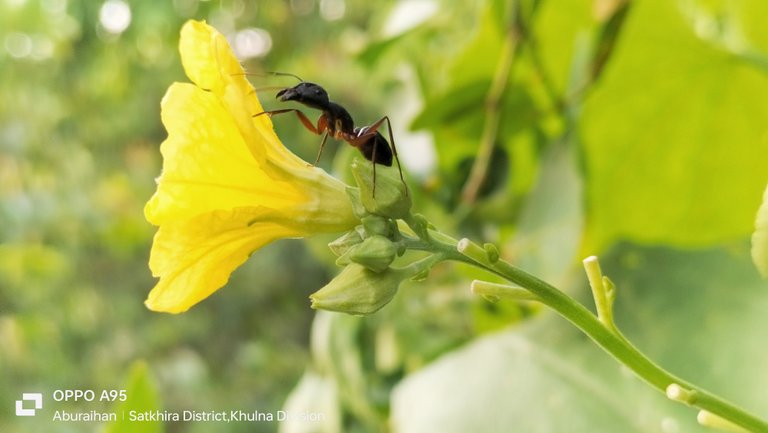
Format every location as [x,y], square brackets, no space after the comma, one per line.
[285,74]
[261,74]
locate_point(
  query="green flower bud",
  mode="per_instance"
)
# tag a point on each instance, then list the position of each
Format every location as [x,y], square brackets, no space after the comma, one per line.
[391,198]
[345,242]
[376,225]
[358,290]
[375,253]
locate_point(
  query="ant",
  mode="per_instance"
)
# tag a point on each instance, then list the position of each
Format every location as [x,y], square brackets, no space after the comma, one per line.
[336,121]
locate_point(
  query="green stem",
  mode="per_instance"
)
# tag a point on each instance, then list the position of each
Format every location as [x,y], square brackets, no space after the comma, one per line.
[495,292]
[606,337]
[493,100]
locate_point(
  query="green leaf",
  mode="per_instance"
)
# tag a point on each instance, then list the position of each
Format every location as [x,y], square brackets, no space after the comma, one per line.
[753,15]
[518,381]
[682,309]
[760,238]
[478,58]
[458,102]
[142,396]
[675,137]
[374,52]
[558,25]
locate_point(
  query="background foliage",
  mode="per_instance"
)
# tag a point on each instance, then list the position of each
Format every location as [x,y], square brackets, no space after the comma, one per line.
[634,130]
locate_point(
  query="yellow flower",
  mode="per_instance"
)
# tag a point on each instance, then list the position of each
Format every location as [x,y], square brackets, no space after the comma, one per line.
[228,185]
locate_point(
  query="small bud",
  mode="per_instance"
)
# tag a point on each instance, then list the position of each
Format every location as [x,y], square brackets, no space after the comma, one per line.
[345,242]
[391,198]
[376,225]
[420,225]
[358,290]
[375,253]
[492,252]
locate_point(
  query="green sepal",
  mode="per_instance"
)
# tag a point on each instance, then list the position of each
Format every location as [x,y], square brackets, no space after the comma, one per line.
[341,245]
[357,205]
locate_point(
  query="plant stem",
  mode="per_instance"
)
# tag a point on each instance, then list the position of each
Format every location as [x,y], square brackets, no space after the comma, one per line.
[495,292]
[493,100]
[607,337]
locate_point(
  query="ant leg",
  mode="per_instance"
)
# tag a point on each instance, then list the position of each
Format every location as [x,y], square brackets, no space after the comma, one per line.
[322,145]
[373,161]
[394,152]
[370,132]
[322,125]
[302,117]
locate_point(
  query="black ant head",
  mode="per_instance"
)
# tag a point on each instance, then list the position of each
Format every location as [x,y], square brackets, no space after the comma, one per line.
[309,94]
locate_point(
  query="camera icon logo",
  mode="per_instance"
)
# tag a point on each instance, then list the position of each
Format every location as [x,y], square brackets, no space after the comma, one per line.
[35,397]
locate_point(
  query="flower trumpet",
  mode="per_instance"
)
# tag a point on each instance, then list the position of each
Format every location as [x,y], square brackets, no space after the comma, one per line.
[228,185]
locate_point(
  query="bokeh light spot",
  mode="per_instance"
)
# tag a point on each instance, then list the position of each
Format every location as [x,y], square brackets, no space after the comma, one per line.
[332,10]
[252,42]
[409,14]
[115,16]
[54,7]
[18,44]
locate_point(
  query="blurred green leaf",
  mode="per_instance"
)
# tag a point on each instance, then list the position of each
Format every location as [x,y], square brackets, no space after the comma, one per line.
[558,28]
[516,381]
[752,14]
[142,396]
[477,59]
[457,103]
[760,238]
[376,50]
[549,229]
[524,381]
[675,152]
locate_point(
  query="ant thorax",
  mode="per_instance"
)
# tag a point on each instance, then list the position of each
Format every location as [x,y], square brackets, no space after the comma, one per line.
[339,119]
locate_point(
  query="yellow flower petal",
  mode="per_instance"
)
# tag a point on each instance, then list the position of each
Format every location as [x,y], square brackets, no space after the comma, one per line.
[209,62]
[195,257]
[207,165]
[228,185]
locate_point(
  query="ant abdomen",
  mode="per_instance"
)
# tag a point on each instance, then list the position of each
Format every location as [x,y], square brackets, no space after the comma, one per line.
[378,144]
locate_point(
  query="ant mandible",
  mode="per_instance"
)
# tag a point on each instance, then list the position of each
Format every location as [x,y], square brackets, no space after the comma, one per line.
[336,121]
